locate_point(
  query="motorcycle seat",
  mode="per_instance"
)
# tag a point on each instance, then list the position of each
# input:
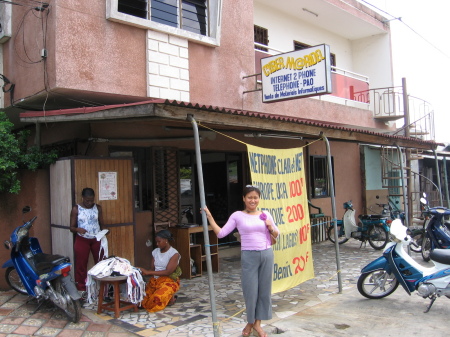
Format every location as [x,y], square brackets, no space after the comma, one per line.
[372,217]
[441,255]
[45,262]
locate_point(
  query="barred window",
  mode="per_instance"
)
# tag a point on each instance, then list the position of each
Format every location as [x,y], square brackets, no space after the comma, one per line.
[261,35]
[318,167]
[190,15]
[300,46]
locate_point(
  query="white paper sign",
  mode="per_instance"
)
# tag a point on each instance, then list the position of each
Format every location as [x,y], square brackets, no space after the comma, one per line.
[107,182]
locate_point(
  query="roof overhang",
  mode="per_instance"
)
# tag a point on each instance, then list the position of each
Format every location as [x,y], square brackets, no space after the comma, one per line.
[223,119]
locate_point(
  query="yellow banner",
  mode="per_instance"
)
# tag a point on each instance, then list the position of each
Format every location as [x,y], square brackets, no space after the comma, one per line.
[280,176]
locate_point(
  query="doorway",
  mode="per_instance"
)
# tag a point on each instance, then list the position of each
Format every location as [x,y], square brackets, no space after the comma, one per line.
[223,182]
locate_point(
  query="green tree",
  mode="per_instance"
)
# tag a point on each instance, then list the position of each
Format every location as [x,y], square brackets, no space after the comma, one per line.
[15,155]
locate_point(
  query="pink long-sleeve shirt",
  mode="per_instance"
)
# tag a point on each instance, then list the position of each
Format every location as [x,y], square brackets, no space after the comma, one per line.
[253,230]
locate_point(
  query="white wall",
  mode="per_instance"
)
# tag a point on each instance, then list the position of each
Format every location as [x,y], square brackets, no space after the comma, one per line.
[369,56]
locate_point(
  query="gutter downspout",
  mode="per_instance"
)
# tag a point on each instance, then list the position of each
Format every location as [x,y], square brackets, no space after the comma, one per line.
[446,181]
[438,177]
[333,210]
[201,188]
[402,180]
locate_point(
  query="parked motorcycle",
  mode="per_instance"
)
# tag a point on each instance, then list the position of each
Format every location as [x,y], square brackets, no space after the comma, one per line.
[437,232]
[381,277]
[42,276]
[372,227]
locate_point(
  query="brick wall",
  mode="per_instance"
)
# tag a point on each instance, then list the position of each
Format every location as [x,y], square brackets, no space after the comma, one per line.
[167,66]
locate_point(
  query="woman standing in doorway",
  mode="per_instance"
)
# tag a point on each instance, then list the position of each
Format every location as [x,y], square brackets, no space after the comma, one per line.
[255,228]
[86,220]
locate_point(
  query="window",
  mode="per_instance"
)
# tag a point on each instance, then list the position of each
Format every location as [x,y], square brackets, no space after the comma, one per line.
[261,36]
[133,7]
[190,15]
[318,168]
[300,46]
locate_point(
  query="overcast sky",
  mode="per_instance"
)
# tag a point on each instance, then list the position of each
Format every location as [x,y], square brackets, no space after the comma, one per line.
[423,60]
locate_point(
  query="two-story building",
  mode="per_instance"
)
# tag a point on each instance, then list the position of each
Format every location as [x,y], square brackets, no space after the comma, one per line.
[112,84]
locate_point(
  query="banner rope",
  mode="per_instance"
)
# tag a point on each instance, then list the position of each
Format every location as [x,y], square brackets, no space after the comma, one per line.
[240,141]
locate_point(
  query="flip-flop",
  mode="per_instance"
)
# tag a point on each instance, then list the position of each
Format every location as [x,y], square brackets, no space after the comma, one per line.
[173,300]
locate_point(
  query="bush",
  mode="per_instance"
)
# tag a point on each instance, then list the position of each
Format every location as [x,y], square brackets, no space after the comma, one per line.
[15,155]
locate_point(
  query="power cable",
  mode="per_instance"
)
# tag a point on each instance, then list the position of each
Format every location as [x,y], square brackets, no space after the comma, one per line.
[409,27]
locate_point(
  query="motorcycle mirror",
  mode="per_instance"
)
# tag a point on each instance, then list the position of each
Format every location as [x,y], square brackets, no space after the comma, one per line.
[423,201]
[26,209]
[424,194]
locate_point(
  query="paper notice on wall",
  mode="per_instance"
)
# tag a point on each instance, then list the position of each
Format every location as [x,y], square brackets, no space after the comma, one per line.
[107,182]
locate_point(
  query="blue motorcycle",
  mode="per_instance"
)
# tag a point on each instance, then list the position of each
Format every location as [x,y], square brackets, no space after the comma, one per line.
[43,277]
[381,277]
[437,232]
[373,228]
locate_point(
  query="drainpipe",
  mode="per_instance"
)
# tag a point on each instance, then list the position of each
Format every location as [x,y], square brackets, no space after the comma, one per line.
[409,182]
[333,211]
[37,137]
[201,188]
[402,180]
[446,181]
[438,177]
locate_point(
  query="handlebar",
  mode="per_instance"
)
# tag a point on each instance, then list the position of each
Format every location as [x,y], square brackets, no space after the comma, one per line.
[27,226]
[414,243]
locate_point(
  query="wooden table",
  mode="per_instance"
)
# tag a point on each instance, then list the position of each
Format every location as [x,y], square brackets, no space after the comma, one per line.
[190,243]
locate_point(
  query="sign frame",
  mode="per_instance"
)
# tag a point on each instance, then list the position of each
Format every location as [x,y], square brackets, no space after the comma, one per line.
[296,74]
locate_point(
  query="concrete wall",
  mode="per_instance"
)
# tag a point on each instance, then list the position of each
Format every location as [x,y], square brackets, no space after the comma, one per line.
[36,194]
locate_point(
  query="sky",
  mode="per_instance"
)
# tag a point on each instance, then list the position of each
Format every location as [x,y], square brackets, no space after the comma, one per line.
[421,53]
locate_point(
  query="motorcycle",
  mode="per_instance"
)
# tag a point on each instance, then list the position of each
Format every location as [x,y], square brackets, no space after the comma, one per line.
[41,276]
[381,277]
[437,232]
[372,227]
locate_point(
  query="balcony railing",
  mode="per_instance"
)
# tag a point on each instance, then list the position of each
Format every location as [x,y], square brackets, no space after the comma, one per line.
[388,104]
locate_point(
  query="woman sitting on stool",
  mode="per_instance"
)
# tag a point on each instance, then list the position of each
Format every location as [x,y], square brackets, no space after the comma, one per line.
[165,272]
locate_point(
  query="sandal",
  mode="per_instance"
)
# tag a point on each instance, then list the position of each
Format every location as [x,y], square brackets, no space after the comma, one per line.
[247,330]
[173,300]
[262,333]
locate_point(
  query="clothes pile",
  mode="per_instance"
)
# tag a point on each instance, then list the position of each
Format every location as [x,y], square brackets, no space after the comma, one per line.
[116,266]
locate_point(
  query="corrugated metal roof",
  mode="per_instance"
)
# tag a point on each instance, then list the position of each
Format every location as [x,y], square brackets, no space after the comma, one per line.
[223,110]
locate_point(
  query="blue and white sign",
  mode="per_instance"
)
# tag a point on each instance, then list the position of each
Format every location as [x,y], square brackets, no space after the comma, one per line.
[300,73]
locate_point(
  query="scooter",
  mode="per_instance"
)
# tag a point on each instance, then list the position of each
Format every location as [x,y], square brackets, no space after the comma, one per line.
[41,276]
[372,227]
[381,277]
[437,232]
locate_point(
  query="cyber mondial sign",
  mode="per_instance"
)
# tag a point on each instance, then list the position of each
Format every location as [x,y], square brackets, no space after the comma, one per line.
[300,73]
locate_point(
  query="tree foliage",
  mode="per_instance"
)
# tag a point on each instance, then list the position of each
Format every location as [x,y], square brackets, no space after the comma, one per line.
[15,154]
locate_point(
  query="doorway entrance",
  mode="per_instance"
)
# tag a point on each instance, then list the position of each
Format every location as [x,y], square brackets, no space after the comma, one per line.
[223,181]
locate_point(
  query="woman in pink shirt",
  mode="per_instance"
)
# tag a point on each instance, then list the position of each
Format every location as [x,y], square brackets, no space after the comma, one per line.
[255,229]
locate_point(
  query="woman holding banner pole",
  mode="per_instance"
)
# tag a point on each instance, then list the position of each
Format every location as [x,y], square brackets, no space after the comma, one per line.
[255,228]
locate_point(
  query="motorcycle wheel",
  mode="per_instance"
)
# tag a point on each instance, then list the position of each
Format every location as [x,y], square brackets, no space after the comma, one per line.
[341,237]
[378,237]
[426,248]
[72,309]
[14,281]
[377,284]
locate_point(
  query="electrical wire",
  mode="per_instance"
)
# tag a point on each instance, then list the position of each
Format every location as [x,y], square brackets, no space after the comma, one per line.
[27,3]
[409,27]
